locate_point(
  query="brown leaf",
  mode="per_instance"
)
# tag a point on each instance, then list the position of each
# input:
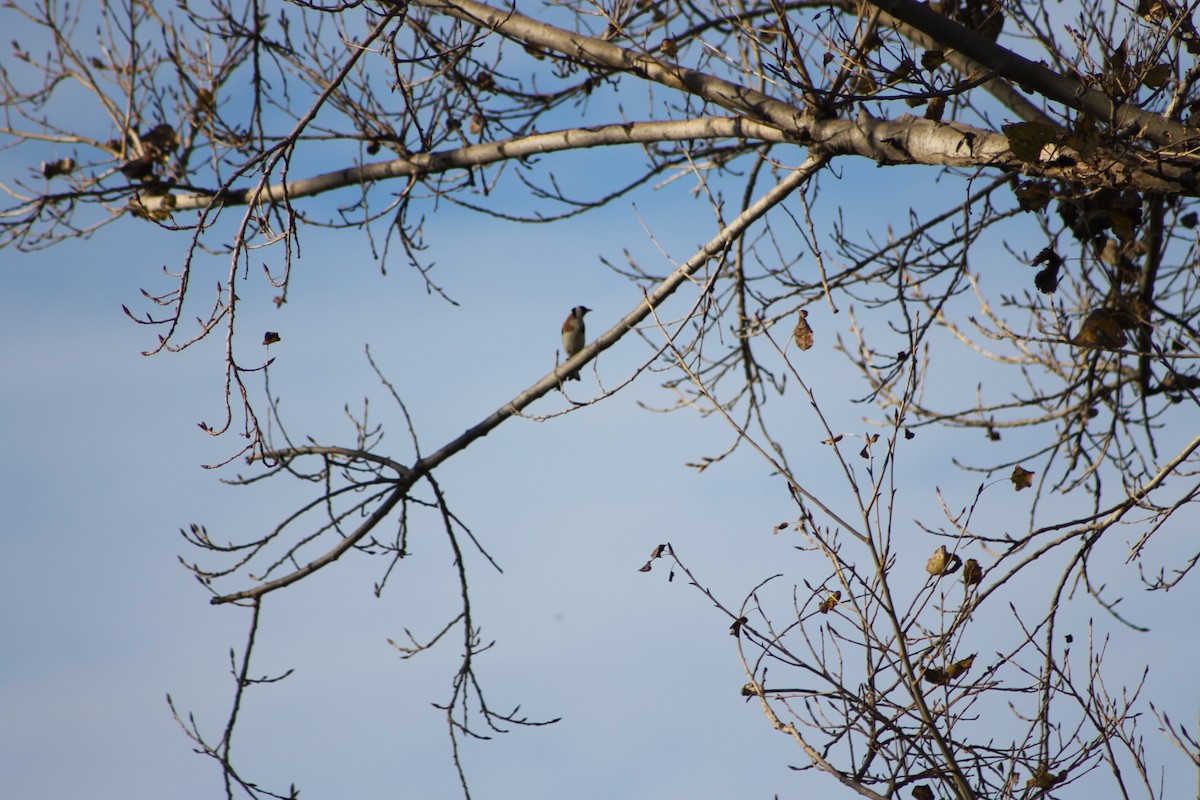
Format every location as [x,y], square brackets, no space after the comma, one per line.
[736,627]
[834,440]
[1101,328]
[1033,195]
[485,81]
[668,48]
[972,572]
[270,337]
[936,676]
[803,333]
[935,109]
[922,792]
[205,101]
[932,59]
[161,139]
[1021,478]
[139,168]
[1046,280]
[1047,256]
[1156,76]
[902,70]
[52,169]
[1026,139]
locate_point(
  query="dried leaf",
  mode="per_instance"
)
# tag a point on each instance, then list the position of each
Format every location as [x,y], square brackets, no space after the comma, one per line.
[736,627]
[270,337]
[935,109]
[972,572]
[52,169]
[162,139]
[1021,478]
[1033,195]
[932,59]
[1046,280]
[834,440]
[942,562]
[485,81]
[1047,256]
[830,602]
[668,48]
[1026,139]
[1157,76]
[902,70]
[1044,779]
[922,792]
[1102,329]
[205,101]
[803,334]
[936,676]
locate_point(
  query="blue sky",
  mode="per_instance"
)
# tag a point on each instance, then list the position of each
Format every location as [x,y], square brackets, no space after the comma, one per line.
[100,621]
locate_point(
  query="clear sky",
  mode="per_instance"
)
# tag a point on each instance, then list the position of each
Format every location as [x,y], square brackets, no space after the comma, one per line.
[99,621]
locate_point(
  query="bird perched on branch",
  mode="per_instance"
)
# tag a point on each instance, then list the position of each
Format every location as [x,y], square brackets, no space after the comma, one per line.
[573,335]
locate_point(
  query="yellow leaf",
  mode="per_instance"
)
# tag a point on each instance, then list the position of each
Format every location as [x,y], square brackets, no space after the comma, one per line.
[942,562]
[830,602]
[1044,779]
[960,667]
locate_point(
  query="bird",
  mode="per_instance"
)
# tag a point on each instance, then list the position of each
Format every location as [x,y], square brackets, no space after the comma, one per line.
[573,335]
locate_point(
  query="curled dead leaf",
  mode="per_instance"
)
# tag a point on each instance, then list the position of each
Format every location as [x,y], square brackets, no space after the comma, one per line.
[1044,779]
[803,333]
[935,109]
[936,676]
[1102,329]
[942,562]
[972,572]
[1026,139]
[1021,478]
[830,602]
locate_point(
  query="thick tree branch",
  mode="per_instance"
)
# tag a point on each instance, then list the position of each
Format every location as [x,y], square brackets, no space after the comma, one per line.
[1037,78]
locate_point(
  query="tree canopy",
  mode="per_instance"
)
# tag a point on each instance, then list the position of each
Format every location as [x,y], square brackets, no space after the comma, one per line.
[986,208]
